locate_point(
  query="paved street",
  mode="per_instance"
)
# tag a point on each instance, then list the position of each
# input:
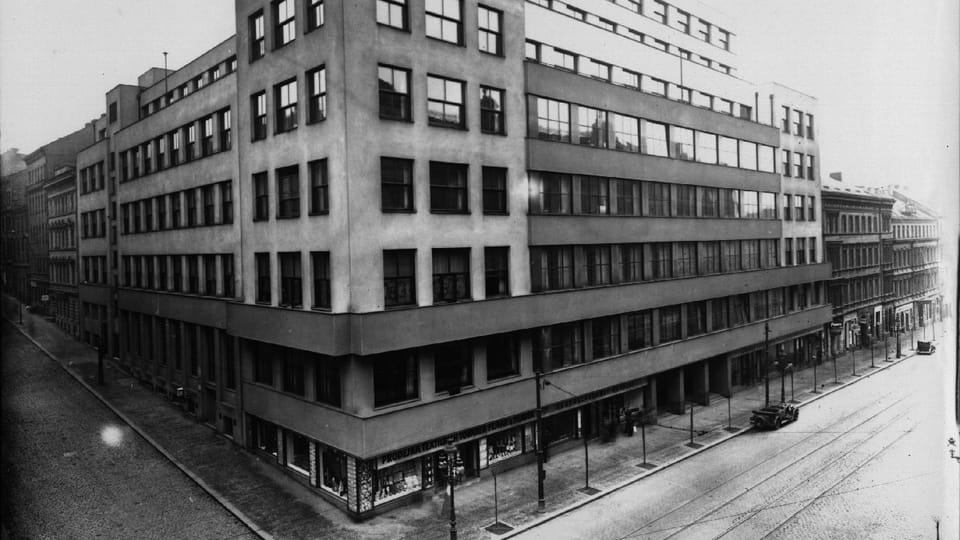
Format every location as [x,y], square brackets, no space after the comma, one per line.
[867,462]
[73,469]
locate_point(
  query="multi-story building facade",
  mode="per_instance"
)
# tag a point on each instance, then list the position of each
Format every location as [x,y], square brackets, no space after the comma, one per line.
[913,276]
[414,217]
[14,236]
[64,303]
[859,240]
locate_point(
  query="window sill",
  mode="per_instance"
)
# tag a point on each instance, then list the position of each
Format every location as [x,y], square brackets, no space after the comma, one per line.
[399,210]
[459,390]
[393,307]
[319,213]
[441,40]
[396,119]
[498,54]
[397,28]
[281,132]
[278,218]
[451,302]
[441,211]
[265,303]
[395,403]
[498,133]
[502,377]
[316,121]
[445,126]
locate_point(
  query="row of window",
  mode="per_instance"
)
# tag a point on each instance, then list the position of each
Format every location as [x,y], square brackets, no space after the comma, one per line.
[62,236]
[93,224]
[854,291]
[799,128]
[295,369]
[166,150]
[63,271]
[806,251]
[449,187]
[915,231]
[596,127]
[555,268]
[320,465]
[193,207]
[444,21]
[62,204]
[92,178]
[915,283]
[291,286]
[843,223]
[915,256]
[156,339]
[794,208]
[446,100]
[554,193]
[396,375]
[94,269]
[287,190]
[208,275]
[285,104]
[794,166]
[195,84]
[451,275]
[567,344]
[284,24]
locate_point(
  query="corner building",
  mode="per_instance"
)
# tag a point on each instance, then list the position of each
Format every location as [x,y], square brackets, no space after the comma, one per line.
[435,200]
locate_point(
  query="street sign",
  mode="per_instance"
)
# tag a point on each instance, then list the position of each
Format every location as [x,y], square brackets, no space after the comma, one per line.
[44,298]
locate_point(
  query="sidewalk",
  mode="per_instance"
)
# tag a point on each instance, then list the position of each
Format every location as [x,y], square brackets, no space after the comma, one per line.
[276,505]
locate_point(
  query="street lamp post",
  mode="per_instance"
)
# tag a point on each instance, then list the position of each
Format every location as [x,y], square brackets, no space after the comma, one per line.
[783,374]
[766,364]
[899,329]
[853,356]
[541,505]
[451,451]
[817,361]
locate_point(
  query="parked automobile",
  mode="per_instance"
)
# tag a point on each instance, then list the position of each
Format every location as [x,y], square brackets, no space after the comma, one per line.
[774,416]
[926,347]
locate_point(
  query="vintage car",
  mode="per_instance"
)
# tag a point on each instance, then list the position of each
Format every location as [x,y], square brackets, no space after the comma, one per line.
[774,416]
[926,347]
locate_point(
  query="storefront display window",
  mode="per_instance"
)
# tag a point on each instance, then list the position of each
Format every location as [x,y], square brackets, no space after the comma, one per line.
[397,480]
[503,445]
[264,436]
[333,463]
[298,453]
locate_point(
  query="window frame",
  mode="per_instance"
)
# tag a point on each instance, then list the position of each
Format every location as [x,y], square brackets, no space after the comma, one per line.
[445,101]
[443,17]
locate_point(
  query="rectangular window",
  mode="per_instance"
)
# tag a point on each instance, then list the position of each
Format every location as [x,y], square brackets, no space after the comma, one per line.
[591,127]
[709,202]
[291,280]
[787,207]
[257,43]
[785,162]
[315,14]
[628,197]
[451,275]
[453,366]
[396,378]
[801,250]
[696,318]
[686,201]
[739,309]
[810,126]
[555,194]
[626,131]
[798,123]
[706,147]
[225,137]
[750,204]
[285,103]
[448,187]
[765,158]
[797,165]
[596,265]
[226,202]
[496,262]
[658,260]
[669,324]
[226,267]
[491,111]
[327,385]
[288,192]
[263,277]
[681,143]
[551,268]
[320,263]
[769,253]
[639,330]
[319,197]
[261,197]
[394,86]
[684,259]
[396,184]
[503,356]
[176,223]
[191,196]
[810,167]
[748,155]
[768,205]
[631,263]
[728,152]
[788,251]
[798,213]
[731,255]
[445,102]
[553,120]
[751,254]
[658,198]
[285,22]
[209,275]
[399,277]
[193,274]
[605,336]
[206,137]
[206,202]
[494,190]
[558,346]
[812,242]
[488,25]
[811,214]
[258,108]
[444,21]
[708,261]
[594,195]
[317,94]
[392,13]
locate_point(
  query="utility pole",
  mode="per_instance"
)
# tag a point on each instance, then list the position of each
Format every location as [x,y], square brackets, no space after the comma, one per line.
[766,364]
[541,505]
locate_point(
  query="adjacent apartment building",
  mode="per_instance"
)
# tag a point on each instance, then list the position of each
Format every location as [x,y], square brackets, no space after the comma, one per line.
[357,229]
[914,271]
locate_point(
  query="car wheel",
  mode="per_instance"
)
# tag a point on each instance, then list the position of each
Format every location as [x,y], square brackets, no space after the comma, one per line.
[779,423]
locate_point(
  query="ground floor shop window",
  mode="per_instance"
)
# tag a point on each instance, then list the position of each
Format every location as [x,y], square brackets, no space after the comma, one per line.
[333,465]
[397,480]
[501,446]
[264,436]
[298,452]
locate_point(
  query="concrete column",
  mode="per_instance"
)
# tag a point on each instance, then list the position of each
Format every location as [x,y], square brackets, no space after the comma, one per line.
[720,375]
[671,390]
[699,377]
[650,398]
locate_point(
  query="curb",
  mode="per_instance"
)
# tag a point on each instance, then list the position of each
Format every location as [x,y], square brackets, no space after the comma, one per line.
[196,479]
[616,487]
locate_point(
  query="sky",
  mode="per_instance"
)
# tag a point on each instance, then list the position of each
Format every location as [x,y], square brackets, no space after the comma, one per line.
[885,72]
